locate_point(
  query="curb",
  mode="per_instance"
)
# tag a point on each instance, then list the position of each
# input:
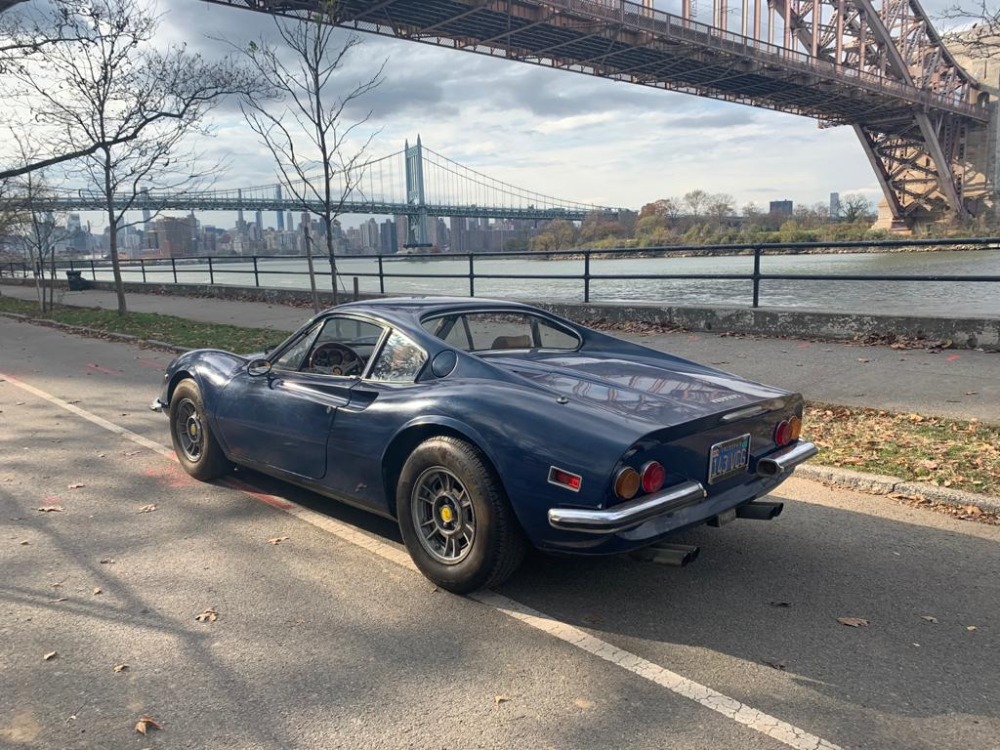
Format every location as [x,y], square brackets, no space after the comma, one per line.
[880,484]
[874,484]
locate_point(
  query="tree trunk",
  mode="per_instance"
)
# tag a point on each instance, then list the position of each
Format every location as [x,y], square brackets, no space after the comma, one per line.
[309,260]
[113,239]
[328,223]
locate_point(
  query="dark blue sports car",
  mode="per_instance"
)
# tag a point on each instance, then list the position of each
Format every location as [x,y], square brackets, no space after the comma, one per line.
[484,427]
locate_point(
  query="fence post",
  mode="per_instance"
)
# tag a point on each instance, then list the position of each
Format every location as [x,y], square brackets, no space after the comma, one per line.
[472,276]
[93,270]
[586,276]
[381,277]
[256,273]
[211,272]
[173,265]
[142,267]
[357,292]
[756,276]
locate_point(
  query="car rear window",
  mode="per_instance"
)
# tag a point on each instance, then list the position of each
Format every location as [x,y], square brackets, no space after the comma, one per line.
[498,331]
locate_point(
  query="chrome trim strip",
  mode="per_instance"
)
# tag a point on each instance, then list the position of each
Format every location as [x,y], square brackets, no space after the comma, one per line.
[627,515]
[783,461]
[751,411]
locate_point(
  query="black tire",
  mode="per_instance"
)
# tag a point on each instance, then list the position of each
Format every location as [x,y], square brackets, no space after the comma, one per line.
[442,472]
[196,447]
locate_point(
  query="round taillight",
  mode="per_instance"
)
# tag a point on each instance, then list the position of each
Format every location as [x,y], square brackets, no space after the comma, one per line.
[653,476]
[783,433]
[627,483]
[795,426]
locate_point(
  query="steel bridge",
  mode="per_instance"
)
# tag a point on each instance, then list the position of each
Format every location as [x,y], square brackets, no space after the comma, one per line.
[416,182]
[924,123]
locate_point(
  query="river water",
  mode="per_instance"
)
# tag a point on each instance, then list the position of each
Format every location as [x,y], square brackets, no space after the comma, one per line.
[410,276]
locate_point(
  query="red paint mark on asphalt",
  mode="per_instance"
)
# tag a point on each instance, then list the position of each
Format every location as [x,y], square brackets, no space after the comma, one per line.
[170,476]
[694,338]
[274,502]
[91,367]
[805,345]
[954,357]
[150,364]
[51,500]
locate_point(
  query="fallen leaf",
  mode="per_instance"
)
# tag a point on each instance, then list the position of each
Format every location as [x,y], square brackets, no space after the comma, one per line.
[583,703]
[972,393]
[277,540]
[75,486]
[863,359]
[25,542]
[97,591]
[120,668]
[50,656]
[148,508]
[146,723]
[853,622]
[780,604]
[50,509]
[779,665]
[132,453]
[501,699]
[209,615]
[929,618]
[107,561]
[971,627]
[60,599]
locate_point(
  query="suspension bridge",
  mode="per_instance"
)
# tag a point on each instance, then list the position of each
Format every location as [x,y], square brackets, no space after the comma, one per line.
[927,127]
[416,182]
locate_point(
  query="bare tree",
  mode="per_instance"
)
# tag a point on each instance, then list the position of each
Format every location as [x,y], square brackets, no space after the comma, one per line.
[696,201]
[314,139]
[977,32]
[855,207]
[719,205]
[127,106]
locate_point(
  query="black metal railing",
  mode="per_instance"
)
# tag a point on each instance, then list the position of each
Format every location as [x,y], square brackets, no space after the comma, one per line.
[261,268]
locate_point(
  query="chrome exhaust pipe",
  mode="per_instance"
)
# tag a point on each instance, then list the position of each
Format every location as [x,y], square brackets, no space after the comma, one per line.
[760,511]
[674,555]
[786,459]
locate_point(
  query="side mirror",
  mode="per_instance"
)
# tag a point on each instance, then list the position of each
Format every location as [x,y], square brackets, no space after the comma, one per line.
[258,367]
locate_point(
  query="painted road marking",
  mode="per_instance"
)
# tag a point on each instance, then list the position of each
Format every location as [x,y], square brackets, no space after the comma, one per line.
[703,695]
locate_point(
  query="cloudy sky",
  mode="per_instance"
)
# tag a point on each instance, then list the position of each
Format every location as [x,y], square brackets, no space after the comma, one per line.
[568,135]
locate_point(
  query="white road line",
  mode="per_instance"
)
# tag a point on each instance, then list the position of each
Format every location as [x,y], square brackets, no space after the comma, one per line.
[705,696]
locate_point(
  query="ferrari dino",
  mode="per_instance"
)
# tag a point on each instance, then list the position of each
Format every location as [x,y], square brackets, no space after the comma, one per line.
[485,427]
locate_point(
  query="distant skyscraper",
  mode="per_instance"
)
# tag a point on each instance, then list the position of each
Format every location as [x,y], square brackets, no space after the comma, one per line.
[290,221]
[259,221]
[834,205]
[782,208]
[281,216]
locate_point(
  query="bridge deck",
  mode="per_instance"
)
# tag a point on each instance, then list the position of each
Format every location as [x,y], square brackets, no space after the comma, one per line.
[612,40]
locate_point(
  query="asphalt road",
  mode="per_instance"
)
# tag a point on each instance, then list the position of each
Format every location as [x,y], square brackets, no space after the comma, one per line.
[329,639]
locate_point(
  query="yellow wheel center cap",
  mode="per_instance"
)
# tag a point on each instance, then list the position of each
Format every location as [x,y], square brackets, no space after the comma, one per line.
[447,515]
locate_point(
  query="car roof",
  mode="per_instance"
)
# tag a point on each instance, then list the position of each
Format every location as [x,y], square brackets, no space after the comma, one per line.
[413,309]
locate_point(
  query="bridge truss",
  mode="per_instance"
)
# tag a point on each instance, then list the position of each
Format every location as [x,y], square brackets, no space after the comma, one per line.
[883,71]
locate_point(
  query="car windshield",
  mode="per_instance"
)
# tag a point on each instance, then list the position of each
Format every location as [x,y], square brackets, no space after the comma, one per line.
[501,331]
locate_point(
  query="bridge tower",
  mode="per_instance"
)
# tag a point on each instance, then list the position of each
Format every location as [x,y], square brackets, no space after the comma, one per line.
[280,213]
[929,161]
[416,217]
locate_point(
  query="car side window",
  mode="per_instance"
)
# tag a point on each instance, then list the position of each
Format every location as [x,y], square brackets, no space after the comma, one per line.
[399,361]
[339,346]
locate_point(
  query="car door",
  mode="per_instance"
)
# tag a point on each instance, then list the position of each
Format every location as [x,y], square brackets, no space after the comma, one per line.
[282,419]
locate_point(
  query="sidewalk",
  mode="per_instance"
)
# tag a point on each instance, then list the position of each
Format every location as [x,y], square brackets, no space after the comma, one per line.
[954,383]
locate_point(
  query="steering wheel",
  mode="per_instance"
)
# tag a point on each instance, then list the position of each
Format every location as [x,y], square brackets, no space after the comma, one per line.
[338,359]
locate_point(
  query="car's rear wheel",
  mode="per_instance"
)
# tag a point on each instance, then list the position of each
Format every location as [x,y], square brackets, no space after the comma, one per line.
[196,447]
[455,519]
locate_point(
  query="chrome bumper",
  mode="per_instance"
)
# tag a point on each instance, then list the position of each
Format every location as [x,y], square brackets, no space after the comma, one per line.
[157,405]
[781,463]
[627,515]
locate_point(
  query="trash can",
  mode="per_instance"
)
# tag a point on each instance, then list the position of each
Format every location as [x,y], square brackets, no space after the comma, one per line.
[76,281]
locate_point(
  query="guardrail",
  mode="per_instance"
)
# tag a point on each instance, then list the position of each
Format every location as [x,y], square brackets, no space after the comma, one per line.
[219,266]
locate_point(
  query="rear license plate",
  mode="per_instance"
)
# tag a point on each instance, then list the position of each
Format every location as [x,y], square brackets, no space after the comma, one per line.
[728,458]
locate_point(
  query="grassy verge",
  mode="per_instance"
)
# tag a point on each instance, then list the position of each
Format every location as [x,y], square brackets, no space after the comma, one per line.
[177,331]
[945,452]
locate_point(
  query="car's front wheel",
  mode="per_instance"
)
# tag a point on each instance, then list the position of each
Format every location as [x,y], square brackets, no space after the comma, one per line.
[456,521]
[196,447]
